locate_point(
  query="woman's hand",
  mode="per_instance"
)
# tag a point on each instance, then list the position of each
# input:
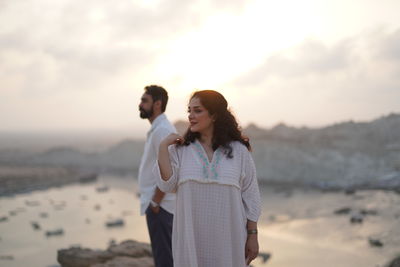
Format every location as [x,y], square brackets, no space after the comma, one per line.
[172,139]
[251,248]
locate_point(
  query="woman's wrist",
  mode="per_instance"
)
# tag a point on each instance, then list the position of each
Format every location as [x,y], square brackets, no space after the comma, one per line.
[251,228]
[252,231]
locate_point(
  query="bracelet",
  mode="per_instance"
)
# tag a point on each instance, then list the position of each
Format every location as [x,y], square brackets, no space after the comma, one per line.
[154,204]
[252,231]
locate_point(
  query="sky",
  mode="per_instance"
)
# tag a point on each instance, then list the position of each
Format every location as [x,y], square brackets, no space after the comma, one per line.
[70,65]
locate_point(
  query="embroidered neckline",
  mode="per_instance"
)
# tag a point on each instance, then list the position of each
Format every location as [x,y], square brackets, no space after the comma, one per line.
[206,163]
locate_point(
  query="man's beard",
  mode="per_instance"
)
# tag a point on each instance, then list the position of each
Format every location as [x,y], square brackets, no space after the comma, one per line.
[145,114]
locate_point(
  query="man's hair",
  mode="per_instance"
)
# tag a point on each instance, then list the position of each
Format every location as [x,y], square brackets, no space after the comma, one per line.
[158,93]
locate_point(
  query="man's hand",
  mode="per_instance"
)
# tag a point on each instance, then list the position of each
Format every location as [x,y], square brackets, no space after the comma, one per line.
[155,210]
[156,200]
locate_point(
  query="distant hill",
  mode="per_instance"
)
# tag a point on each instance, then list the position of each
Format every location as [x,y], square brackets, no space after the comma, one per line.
[124,157]
[340,155]
[359,154]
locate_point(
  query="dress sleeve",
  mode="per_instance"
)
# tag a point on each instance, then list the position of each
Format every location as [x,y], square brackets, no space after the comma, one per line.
[249,186]
[169,185]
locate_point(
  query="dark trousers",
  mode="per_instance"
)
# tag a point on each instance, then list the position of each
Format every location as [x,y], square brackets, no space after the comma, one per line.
[160,231]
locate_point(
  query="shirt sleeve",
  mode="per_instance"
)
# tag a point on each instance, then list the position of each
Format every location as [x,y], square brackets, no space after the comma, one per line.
[169,186]
[249,186]
[158,136]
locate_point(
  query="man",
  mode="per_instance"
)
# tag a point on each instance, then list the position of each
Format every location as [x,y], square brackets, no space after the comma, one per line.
[158,206]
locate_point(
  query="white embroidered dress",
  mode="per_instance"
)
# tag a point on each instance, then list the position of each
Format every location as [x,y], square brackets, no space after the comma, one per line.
[214,200]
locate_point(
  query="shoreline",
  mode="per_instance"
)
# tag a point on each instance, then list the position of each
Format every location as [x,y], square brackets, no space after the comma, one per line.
[20,179]
[25,179]
[323,187]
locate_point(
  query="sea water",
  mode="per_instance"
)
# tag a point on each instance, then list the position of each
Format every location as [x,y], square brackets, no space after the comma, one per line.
[297,227]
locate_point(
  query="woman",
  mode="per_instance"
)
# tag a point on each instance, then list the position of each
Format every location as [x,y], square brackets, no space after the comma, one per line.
[217,196]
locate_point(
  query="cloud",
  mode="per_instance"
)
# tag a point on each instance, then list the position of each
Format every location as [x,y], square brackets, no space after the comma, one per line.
[310,57]
[386,46]
[355,78]
[359,56]
[75,45]
[76,64]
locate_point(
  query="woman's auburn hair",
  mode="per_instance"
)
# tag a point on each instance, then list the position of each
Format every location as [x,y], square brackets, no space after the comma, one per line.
[226,128]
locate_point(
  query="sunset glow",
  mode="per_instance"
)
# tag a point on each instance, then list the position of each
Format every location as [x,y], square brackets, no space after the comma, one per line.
[69,65]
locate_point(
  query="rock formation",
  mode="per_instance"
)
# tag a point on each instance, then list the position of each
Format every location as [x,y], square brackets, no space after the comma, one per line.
[128,253]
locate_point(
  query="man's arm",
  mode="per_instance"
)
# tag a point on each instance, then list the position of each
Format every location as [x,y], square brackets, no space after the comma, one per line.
[158,195]
[157,198]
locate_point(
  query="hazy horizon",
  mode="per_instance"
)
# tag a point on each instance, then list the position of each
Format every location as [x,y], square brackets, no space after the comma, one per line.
[140,133]
[101,139]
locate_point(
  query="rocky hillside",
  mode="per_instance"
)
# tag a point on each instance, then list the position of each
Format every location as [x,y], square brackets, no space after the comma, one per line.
[123,157]
[340,155]
[365,154]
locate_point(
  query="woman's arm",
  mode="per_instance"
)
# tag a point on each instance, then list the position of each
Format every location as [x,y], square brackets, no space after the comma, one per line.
[251,249]
[252,205]
[164,161]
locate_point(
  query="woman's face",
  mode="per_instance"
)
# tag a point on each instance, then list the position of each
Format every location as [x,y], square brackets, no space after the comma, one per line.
[199,117]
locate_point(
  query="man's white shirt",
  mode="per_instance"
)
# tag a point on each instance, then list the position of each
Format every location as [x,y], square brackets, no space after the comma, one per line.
[160,128]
